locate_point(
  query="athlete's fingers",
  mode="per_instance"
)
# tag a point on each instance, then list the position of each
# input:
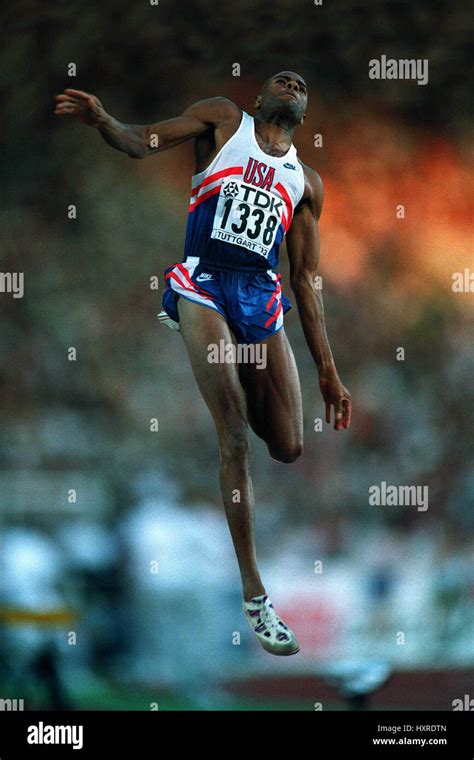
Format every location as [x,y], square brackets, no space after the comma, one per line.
[338,416]
[328,412]
[66,109]
[78,93]
[79,104]
[347,412]
[67,99]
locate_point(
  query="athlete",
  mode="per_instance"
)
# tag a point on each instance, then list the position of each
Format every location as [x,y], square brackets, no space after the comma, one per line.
[249,190]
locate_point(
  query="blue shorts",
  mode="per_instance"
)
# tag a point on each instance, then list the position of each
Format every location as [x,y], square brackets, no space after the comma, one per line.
[250,301]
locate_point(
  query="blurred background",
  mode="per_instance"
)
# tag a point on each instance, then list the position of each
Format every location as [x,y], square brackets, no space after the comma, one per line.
[119,587]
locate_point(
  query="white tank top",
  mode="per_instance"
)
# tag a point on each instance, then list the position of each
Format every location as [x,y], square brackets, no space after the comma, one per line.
[242,204]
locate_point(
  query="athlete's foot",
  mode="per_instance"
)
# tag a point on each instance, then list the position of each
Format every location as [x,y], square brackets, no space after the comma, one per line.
[272,633]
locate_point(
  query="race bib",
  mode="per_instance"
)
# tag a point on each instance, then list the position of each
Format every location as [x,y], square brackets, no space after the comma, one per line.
[247,216]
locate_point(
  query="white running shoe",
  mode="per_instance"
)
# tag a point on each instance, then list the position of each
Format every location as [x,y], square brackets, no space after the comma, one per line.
[274,636]
[166,320]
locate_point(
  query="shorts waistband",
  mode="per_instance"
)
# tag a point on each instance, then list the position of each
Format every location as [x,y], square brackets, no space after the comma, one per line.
[231,267]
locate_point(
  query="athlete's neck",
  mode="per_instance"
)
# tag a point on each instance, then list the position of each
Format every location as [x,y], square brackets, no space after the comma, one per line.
[275,132]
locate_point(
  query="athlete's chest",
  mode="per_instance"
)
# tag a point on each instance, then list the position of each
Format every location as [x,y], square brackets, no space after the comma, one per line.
[261,172]
[255,203]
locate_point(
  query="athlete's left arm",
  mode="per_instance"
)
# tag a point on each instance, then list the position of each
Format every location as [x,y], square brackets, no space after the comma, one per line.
[302,243]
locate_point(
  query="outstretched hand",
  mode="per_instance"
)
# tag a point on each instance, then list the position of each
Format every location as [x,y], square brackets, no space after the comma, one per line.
[84,106]
[336,394]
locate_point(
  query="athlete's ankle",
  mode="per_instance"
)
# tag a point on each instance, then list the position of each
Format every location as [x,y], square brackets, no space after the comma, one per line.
[250,591]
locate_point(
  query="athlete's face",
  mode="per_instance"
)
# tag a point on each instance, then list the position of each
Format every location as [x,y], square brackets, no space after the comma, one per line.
[284,93]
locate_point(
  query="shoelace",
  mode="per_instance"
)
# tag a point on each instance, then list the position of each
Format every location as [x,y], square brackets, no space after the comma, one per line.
[272,621]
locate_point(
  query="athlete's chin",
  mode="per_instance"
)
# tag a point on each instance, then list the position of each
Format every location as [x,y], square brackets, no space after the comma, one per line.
[290,111]
[288,107]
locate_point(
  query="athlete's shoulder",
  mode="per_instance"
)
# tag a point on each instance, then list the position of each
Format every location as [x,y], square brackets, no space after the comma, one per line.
[215,110]
[313,189]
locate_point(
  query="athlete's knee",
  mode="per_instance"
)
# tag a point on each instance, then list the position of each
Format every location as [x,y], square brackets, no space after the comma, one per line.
[287,454]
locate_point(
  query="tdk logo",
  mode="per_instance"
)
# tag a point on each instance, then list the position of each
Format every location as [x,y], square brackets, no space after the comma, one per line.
[289,166]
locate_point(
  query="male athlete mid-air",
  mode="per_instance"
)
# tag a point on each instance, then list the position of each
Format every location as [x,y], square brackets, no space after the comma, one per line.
[249,190]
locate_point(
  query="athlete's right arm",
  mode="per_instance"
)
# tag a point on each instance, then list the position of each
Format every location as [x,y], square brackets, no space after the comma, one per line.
[138,140]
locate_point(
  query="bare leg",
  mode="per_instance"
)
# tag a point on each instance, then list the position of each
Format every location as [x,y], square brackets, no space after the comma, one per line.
[220,387]
[273,394]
